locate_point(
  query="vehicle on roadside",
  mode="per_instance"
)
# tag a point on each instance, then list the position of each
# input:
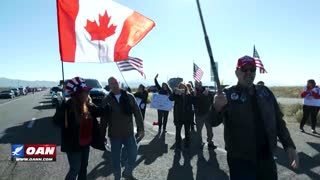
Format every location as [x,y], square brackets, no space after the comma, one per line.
[16,91]
[55,89]
[97,93]
[56,95]
[7,94]
[174,82]
[23,91]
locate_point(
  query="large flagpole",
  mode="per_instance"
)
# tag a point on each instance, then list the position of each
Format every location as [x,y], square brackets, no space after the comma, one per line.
[63,83]
[213,64]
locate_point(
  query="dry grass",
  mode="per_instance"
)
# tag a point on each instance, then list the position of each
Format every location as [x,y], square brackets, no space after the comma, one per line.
[287,91]
[2,89]
[293,113]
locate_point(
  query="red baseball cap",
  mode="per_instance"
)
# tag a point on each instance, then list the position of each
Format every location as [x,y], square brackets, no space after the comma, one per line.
[246,60]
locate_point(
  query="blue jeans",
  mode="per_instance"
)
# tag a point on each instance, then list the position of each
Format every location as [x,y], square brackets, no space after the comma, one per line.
[130,145]
[78,162]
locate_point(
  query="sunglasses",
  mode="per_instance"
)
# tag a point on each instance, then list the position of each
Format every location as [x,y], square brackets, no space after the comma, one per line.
[246,69]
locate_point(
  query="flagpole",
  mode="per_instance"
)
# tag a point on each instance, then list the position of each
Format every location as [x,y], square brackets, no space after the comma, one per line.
[63,83]
[122,76]
[254,47]
[193,74]
[213,65]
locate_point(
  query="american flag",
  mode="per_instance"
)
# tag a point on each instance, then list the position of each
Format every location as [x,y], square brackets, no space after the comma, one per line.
[258,60]
[197,73]
[132,63]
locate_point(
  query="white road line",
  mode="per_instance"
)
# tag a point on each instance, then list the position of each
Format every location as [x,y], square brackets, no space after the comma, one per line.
[9,102]
[31,122]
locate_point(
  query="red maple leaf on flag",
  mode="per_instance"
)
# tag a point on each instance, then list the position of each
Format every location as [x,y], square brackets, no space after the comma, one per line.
[101,31]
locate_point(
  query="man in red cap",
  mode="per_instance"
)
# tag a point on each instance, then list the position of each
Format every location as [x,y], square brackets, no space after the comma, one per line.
[252,124]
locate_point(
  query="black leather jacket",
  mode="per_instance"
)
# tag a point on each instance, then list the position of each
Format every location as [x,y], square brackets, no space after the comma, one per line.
[239,118]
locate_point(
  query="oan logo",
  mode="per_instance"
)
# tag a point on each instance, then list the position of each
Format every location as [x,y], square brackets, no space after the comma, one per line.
[17,150]
[40,150]
[33,152]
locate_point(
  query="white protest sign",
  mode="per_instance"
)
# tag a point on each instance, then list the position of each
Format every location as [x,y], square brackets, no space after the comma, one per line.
[161,102]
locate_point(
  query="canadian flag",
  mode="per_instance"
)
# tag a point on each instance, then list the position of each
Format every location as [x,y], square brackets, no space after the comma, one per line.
[98,30]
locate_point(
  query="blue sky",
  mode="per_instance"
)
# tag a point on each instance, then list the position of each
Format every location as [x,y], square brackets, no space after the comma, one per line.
[286,35]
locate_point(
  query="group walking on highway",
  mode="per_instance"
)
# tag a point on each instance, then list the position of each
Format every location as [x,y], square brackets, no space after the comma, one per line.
[250,113]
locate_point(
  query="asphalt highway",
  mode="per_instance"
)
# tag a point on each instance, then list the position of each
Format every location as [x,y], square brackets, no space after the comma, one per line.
[27,120]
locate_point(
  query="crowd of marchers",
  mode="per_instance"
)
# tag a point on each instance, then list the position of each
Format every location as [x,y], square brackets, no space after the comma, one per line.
[252,119]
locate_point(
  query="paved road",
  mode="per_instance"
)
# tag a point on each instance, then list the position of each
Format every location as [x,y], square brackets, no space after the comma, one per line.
[28,120]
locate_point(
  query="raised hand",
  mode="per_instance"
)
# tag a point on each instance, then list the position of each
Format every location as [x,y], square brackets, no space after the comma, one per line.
[219,101]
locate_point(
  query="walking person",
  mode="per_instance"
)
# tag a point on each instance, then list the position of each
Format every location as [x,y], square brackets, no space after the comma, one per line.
[182,113]
[142,94]
[193,94]
[162,114]
[120,128]
[203,102]
[79,127]
[252,123]
[311,104]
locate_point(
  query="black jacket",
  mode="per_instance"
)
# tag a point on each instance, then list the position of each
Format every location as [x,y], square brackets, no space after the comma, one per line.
[143,96]
[239,121]
[202,103]
[70,136]
[182,110]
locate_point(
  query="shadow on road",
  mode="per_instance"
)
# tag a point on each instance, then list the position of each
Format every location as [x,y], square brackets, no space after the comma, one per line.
[103,169]
[206,169]
[181,171]
[150,152]
[44,107]
[209,169]
[306,162]
[43,131]
[317,135]
[46,102]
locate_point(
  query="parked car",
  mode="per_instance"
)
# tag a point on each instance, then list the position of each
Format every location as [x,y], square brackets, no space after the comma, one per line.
[23,91]
[56,95]
[55,89]
[7,94]
[174,82]
[97,93]
[16,91]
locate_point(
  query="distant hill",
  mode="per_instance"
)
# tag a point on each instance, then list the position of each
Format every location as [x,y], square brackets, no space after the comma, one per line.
[5,82]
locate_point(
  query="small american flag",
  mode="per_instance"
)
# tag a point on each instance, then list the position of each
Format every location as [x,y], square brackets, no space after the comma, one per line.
[258,60]
[197,73]
[132,63]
